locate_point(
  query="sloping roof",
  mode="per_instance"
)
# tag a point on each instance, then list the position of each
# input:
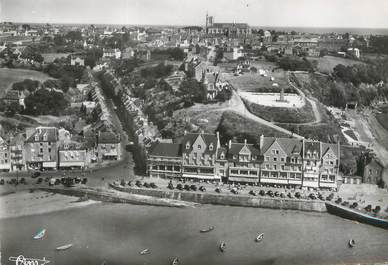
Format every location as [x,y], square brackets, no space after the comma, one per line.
[312,146]
[229,25]
[39,135]
[326,147]
[165,149]
[374,162]
[236,148]
[290,146]
[208,139]
[220,151]
[13,95]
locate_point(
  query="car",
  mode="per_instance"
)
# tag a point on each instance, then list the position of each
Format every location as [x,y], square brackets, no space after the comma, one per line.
[77,180]
[345,203]
[202,188]
[146,185]
[40,180]
[253,193]
[312,196]
[170,185]
[179,186]
[329,198]
[186,187]
[1,181]
[289,195]
[234,191]
[47,179]
[298,195]
[193,187]
[262,192]
[218,190]
[153,185]
[282,195]
[84,181]
[270,193]
[338,201]
[35,174]
[277,194]
[138,183]
[23,181]
[57,181]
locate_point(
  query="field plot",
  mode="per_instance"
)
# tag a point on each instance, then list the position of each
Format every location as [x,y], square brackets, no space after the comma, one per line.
[254,82]
[272,99]
[50,57]
[10,76]
[327,63]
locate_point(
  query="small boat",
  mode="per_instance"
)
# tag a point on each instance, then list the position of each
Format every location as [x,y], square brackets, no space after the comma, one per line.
[260,237]
[210,228]
[222,246]
[40,234]
[175,261]
[352,243]
[64,247]
[145,251]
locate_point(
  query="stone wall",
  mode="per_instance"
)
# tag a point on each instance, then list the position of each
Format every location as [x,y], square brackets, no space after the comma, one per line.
[230,199]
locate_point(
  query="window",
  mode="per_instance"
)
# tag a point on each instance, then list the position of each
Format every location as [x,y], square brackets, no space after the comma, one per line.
[187,145]
[275,159]
[36,138]
[267,158]
[282,159]
[292,160]
[222,156]
[253,172]
[44,137]
[274,167]
[5,154]
[266,166]
[331,163]
[282,167]
[199,146]
[277,152]
[211,147]
[49,150]
[41,150]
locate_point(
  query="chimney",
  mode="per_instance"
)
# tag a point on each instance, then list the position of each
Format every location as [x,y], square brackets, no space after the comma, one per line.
[218,138]
[261,143]
[230,144]
[202,131]
[185,132]
[245,141]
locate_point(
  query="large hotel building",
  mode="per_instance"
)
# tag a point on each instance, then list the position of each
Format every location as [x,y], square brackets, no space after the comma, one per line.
[280,161]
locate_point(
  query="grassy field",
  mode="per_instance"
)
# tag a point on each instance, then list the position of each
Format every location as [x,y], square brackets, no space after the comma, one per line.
[233,125]
[254,82]
[327,63]
[382,117]
[10,76]
[50,57]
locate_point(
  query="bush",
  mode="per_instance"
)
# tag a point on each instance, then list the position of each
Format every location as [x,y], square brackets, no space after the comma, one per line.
[44,102]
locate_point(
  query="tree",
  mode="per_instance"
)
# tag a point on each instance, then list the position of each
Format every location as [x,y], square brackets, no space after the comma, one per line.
[44,102]
[12,109]
[26,27]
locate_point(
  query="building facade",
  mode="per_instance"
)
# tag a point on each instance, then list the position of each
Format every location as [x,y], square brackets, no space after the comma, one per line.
[271,161]
[373,172]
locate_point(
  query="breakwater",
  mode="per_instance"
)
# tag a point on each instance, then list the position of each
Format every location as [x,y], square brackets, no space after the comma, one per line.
[106,195]
[229,199]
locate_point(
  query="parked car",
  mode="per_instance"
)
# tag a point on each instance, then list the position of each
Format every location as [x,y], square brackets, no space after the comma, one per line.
[23,181]
[193,187]
[138,183]
[170,185]
[40,180]
[298,195]
[270,193]
[84,181]
[186,187]
[35,174]
[202,188]
[179,186]
[312,196]
[253,193]
[262,192]
[282,195]
[277,194]
[338,201]
[234,191]
[1,181]
[146,185]
[218,190]
[345,203]
[289,195]
[153,185]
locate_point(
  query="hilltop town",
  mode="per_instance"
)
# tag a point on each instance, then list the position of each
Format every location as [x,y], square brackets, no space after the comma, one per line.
[220,103]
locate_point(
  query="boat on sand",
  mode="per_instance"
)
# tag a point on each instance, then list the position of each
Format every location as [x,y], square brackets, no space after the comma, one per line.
[64,247]
[210,228]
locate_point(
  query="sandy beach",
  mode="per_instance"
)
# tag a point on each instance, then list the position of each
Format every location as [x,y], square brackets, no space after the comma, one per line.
[24,203]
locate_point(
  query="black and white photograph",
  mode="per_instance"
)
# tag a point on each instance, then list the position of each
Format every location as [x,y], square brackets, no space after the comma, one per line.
[189,132]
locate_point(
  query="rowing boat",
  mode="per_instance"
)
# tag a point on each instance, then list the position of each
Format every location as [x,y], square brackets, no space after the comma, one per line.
[64,247]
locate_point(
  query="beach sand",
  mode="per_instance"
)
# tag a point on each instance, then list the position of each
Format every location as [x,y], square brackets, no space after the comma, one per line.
[23,203]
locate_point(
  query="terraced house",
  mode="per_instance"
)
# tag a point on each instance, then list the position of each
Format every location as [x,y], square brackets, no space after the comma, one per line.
[271,161]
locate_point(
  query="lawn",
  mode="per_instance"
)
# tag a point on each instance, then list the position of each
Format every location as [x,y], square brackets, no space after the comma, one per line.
[327,63]
[233,125]
[254,82]
[10,76]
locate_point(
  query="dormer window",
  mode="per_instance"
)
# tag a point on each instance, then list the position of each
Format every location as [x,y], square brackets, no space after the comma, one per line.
[222,156]
[187,145]
[44,137]
[36,138]
[199,147]
[211,147]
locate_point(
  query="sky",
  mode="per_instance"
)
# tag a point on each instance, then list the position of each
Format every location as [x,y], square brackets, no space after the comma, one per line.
[280,13]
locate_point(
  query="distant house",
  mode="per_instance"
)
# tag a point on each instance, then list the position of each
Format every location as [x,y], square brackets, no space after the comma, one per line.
[41,148]
[128,53]
[16,146]
[171,166]
[373,172]
[5,160]
[108,146]
[111,53]
[355,52]
[71,156]
[77,60]
[14,96]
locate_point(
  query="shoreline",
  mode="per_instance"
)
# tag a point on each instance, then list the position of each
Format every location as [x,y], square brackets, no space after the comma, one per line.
[24,203]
